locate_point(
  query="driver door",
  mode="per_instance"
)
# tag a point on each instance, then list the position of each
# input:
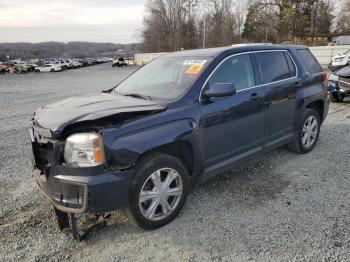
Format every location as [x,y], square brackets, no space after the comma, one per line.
[232,127]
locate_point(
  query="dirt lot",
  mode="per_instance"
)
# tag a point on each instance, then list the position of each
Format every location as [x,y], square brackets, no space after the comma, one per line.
[283,207]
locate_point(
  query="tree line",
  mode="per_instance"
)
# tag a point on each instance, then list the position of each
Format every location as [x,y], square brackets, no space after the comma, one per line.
[171,25]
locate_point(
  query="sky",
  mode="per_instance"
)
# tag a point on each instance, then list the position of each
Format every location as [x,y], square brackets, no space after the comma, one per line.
[115,21]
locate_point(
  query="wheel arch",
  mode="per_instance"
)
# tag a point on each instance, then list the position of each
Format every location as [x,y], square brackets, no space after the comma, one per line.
[181,150]
[318,106]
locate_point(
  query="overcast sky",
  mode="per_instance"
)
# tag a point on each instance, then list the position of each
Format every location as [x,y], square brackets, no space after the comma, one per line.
[114,21]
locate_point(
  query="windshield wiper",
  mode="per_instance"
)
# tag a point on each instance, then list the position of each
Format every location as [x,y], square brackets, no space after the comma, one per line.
[136,95]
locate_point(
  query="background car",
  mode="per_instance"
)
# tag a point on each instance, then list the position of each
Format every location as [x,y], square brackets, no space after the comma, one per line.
[339,61]
[21,68]
[339,84]
[4,68]
[48,68]
[120,62]
[31,67]
[341,40]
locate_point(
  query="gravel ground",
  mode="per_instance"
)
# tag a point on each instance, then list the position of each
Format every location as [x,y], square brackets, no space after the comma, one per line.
[282,207]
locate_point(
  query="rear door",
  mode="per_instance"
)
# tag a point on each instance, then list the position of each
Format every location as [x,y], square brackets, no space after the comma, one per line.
[279,76]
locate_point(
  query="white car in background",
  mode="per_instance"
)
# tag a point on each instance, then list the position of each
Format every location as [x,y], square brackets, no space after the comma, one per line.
[48,68]
[76,64]
[339,61]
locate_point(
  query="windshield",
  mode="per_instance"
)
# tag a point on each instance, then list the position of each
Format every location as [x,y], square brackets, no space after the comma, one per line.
[347,52]
[165,78]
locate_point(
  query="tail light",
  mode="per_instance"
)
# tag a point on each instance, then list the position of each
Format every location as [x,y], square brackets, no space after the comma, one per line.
[325,79]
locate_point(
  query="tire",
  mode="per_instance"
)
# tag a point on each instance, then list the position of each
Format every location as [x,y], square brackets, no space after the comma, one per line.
[337,98]
[307,129]
[148,169]
[52,70]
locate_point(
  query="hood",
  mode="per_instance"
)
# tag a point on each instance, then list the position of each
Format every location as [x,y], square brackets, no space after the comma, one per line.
[73,110]
[344,72]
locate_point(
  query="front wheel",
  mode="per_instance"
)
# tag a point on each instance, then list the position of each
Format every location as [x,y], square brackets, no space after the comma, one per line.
[158,192]
[308,133]
[337,98]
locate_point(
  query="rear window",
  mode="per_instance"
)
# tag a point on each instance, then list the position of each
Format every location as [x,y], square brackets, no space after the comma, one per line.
[274,66]
[309,60]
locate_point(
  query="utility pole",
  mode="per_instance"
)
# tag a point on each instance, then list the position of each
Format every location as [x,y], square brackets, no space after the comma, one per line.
[204,32]
[188,26]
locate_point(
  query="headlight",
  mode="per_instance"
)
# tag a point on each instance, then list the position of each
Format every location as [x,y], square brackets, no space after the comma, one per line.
[333,78]
[83,150]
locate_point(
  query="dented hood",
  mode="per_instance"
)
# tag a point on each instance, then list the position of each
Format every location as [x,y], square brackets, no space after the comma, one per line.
[59,115]
[344,72]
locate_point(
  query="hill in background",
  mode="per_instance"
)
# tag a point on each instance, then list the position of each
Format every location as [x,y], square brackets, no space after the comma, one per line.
[58,49]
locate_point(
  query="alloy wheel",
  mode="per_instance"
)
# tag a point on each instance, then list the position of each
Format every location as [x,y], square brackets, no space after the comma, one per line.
[310,132]
[160,194]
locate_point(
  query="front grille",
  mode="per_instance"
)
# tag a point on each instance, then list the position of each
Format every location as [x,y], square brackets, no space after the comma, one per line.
[44,156]
[344,83]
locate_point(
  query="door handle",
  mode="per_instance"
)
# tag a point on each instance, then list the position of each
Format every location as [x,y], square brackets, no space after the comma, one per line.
[254,97]
[297,84]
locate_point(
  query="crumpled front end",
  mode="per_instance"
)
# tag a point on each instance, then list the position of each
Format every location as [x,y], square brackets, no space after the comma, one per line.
[72,189]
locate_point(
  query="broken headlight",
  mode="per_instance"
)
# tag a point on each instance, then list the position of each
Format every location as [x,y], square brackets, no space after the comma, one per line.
[84,149]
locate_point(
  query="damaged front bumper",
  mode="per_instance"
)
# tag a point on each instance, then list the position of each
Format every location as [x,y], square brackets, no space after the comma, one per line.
[96,189]
[75,190]
[80,190]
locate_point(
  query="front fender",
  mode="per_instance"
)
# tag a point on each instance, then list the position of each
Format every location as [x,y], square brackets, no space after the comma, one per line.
[123,151]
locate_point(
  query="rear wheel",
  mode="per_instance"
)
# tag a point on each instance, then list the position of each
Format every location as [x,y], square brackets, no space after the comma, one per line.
[158,192]
[308,133]
[52,70]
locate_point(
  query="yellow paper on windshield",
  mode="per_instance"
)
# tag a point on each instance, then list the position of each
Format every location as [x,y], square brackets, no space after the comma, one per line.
[195,66]
[194,69]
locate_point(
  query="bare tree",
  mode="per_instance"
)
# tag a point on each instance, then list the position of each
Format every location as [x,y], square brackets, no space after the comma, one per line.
[343,25]
[171,25]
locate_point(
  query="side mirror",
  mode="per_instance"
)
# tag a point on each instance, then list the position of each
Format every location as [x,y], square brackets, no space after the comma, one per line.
[219,90]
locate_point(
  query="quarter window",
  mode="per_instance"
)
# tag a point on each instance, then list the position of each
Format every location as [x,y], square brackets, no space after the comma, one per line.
[309,60]
[274,66]
[237,70]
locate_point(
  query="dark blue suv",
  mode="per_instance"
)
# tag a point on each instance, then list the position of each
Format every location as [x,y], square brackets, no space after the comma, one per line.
[190,114]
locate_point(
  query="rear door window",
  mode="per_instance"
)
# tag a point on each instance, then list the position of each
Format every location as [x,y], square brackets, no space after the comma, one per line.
[309,61]
[274,66]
